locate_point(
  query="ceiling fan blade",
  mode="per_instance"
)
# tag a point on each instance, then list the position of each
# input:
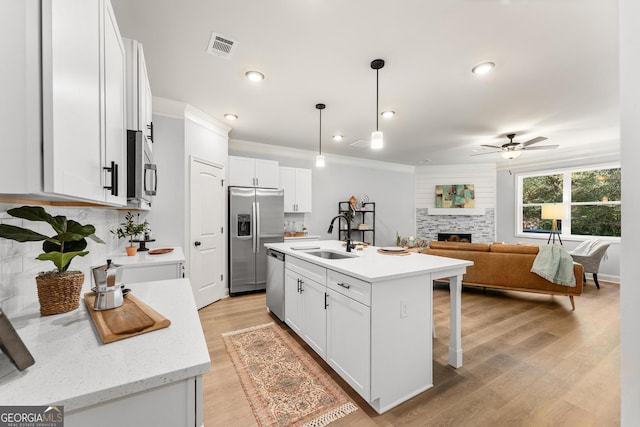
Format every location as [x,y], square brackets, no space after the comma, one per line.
[542,147]
[486,152]
[491,146]
[533,141]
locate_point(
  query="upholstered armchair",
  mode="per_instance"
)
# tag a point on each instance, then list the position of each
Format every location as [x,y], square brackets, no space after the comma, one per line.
[589,253]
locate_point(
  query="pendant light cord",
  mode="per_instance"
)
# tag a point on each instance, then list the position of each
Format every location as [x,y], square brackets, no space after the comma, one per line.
[377,102]
[320,138]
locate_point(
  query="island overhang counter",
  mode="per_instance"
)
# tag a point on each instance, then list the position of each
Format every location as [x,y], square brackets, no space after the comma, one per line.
[370,316]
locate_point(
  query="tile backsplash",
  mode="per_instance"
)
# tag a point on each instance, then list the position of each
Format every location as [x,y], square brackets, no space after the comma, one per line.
[18,263]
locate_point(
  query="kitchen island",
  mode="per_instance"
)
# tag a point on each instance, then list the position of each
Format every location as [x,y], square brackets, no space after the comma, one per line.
[149,379]
[369,315]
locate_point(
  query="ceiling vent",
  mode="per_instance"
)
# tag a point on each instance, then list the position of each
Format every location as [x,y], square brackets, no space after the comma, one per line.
[221,46]
[361,143]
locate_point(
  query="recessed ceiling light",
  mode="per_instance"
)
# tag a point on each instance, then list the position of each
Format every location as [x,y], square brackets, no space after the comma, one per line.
[254,76]
[230,116]
[337,138]
[387,114]
[483,68]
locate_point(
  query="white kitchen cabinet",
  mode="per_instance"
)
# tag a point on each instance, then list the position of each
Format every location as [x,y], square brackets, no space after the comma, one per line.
[68,83]
[114,119]
[139,97]
[349,341]
[248,172]
[151,273]
[306,314]
[296,183]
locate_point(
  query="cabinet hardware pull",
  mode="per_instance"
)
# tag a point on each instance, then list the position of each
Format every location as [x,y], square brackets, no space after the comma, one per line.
[197,243]
[301,286]
[114,178]
[150,127]
[326,303]
[344,286]
[298,285]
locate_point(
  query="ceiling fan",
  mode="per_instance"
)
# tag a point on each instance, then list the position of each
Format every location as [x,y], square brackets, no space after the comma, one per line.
[512,150]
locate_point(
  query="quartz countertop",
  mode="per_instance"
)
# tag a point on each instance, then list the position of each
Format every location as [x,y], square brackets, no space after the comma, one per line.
[368,264]
[145,259]
[73,368]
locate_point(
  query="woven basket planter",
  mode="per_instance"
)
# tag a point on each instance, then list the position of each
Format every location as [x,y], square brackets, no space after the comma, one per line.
[59,293]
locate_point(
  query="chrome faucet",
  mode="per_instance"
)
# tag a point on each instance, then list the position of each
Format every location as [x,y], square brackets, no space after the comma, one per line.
[349,244]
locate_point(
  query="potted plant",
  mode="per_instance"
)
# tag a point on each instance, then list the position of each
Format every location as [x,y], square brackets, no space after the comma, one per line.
[59,289]
[130,229]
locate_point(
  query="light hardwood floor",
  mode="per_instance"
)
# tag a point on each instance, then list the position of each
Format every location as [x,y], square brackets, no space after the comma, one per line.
[528,361]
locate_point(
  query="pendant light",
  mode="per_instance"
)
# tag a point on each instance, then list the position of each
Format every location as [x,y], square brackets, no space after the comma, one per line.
[320,157]
[376,137]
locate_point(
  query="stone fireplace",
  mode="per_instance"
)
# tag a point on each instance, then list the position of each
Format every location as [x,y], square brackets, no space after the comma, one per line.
[481,228]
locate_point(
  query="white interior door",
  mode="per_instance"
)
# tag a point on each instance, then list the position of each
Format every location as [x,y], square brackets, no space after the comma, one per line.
[206,237]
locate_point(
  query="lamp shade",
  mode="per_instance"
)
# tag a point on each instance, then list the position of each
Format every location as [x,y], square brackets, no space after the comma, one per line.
[319,161]
[554,211]
[376,140]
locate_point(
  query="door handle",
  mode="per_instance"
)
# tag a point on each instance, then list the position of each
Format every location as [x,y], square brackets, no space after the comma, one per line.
[113,169]
[197,243]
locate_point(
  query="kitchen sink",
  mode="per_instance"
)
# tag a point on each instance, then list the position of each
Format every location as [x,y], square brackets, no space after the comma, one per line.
[332,254]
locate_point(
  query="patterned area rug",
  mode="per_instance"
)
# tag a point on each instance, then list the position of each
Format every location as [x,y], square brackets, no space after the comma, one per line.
[284,385]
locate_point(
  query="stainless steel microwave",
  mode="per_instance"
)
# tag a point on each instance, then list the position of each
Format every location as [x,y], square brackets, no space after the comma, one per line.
[142,173]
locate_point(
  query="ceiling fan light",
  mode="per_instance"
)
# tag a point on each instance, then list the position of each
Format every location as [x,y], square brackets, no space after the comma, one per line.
[320,161]
[376,140]
[510,155]
[483,68]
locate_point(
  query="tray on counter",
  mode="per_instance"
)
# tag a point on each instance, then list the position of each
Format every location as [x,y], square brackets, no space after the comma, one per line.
[132,318]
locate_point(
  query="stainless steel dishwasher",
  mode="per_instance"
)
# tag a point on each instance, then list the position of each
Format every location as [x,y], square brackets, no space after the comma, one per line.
[275,283]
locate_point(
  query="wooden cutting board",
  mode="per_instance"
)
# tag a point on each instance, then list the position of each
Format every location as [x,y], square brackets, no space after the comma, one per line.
[394,253]
[132,318]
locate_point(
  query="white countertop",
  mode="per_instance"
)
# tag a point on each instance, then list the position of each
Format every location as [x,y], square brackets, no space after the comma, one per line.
[368,264]
[145,259]
[73,368]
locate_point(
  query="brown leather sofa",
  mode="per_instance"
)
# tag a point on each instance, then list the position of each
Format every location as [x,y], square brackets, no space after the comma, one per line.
[504,266]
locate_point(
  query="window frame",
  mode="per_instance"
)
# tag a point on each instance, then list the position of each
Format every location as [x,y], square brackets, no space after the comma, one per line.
[566,198]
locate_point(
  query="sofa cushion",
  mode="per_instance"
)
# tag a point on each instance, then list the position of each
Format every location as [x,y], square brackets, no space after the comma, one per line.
[514,249]
[459,246]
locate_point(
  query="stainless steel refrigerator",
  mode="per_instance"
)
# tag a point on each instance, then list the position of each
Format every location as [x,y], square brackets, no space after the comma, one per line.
[256,217]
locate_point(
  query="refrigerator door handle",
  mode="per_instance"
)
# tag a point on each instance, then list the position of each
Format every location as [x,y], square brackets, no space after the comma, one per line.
[254,227]
[257,227]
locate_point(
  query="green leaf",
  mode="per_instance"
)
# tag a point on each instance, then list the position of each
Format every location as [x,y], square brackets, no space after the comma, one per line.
[95,238]
[36,213]
[53,246]
[20,234]
[61,260]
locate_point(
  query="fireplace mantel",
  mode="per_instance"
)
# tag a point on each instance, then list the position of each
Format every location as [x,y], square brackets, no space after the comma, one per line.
[455,211]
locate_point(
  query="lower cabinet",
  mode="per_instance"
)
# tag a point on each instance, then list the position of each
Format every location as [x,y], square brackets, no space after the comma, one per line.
[305,309]
[326,309]
[349,341]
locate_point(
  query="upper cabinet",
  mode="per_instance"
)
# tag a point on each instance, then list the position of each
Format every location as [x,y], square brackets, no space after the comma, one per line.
[64,75]
[248,172]
[296,183]
[139,98]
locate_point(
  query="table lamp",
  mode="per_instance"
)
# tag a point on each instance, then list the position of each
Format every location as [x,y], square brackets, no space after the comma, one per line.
[554,212]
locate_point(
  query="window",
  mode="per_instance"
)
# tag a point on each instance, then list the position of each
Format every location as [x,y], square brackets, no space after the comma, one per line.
[592,195]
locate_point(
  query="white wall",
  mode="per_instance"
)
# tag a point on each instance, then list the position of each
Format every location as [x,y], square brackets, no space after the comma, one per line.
[181,132]
[389,185]
[482,176]
[507,205]
[630,135]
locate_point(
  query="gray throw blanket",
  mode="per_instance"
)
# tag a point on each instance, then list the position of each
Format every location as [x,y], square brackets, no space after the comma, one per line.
[554,264]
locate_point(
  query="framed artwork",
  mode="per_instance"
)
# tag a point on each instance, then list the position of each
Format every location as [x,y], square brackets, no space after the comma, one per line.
[455,196]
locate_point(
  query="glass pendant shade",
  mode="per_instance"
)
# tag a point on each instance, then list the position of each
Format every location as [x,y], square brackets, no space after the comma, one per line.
[510,155]
[376,140]
[319,161]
